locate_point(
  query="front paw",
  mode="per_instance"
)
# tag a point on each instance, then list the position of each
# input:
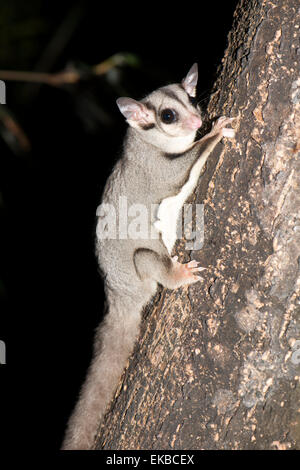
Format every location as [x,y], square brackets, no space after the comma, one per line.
[220,127]
[184,274]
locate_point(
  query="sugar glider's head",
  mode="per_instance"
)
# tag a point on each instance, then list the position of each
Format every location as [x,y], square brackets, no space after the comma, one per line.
[168,117]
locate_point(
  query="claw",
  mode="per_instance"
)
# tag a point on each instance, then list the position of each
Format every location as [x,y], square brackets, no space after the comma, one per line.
[187,273]
[195,266]
[192,264]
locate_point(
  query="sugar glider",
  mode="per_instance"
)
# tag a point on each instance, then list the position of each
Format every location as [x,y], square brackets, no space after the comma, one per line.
[160,167]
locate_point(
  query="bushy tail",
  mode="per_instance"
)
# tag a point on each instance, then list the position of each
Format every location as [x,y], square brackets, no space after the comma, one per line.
[113,345]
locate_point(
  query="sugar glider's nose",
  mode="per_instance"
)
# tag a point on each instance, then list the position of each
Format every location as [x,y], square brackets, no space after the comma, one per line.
[193,122]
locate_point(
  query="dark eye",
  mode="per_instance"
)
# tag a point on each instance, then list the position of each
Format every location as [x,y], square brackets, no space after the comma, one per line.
[168,116]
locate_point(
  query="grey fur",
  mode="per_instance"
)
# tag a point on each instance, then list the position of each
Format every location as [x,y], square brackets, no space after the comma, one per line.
[133,268]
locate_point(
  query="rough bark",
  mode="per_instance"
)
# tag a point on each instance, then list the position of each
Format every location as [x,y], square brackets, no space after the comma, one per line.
[217,365]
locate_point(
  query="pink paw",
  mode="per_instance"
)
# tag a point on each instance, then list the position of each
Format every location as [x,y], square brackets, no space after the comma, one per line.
[186,273]
[219,126]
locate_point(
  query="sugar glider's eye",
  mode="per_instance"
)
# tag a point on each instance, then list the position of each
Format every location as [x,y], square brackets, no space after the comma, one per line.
[168,116]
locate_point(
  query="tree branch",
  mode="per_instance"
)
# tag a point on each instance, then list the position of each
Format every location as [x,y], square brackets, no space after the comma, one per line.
[69,75]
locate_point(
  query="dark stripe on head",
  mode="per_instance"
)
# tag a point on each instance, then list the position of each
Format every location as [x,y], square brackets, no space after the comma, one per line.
[147,127]
[150,106]
[173,96]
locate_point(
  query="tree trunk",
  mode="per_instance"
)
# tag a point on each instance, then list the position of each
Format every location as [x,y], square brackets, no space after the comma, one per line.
[217,365]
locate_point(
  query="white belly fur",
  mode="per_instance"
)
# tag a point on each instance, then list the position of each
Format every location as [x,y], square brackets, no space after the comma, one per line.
[169,208]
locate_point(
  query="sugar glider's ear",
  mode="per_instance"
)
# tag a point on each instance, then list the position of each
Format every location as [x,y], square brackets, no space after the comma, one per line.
[189,83]
[133,110]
